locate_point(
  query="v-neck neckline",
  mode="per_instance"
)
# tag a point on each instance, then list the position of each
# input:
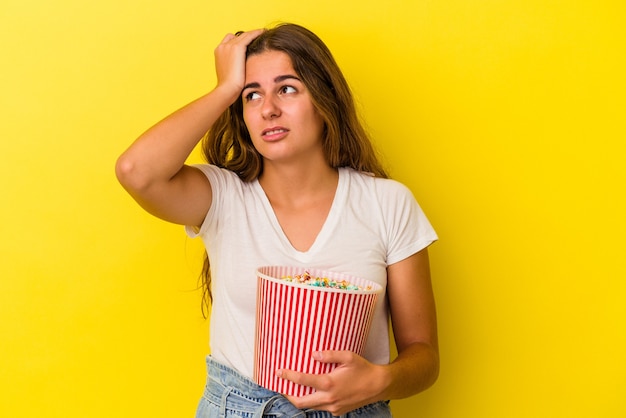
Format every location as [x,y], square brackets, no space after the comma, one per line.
[323,235]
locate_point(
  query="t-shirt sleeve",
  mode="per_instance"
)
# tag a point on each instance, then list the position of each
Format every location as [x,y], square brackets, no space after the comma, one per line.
[218,179]
[409,230]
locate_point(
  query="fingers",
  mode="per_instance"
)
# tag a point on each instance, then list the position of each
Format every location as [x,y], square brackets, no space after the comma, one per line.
[340,357]
[335,391]
[230,59]
[317,381]
[243,37]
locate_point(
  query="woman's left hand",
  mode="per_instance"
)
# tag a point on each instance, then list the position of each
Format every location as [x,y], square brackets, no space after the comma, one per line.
[355,382]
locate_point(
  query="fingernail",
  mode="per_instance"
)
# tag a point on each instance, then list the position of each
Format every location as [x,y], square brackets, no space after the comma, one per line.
[279,372]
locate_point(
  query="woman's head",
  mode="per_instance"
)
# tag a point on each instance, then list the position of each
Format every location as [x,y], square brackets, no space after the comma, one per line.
[344,140]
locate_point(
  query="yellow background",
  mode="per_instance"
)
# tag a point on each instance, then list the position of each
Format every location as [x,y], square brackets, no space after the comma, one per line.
[506,119]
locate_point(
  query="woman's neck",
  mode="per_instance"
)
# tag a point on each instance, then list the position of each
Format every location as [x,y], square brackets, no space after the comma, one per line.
[291,185]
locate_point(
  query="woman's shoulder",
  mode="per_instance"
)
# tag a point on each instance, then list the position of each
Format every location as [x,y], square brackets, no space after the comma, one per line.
[219,175]
[211,170]
[380,185]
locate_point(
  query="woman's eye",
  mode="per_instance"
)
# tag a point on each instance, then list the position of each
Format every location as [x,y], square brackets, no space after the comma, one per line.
[252,96]
[287,90]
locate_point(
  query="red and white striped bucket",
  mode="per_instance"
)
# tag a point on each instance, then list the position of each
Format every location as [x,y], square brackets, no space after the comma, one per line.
[294,320]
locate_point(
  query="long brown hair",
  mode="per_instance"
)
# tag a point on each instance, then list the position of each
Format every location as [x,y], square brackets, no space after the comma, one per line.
[345,141]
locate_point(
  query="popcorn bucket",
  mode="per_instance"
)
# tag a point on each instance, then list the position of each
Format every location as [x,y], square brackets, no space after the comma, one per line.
[294,319]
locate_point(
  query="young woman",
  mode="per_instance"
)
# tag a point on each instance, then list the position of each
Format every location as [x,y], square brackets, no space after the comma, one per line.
[291,179]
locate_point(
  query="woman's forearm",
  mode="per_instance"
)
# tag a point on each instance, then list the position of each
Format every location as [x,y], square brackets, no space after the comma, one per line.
[414,370]
[159,153]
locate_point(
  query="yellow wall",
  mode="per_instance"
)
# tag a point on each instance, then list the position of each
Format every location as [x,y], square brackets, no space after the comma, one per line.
[506,118]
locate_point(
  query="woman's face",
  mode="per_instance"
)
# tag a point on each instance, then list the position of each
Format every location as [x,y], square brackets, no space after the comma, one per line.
[278,111]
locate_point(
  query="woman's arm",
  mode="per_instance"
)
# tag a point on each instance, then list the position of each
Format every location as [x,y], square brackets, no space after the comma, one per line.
[153,168]
[414,322]
[357,382]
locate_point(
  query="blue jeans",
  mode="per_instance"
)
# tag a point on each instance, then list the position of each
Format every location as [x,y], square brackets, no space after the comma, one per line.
[229,394]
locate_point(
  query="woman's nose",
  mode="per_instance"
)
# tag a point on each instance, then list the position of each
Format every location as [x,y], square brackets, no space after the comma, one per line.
[270,109]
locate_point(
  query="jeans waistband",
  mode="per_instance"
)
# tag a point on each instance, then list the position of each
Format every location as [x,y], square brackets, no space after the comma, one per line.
[230,389]
[233,391]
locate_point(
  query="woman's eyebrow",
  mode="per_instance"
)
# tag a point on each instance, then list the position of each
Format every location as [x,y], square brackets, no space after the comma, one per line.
[280,78]
[285,77]
[251,86]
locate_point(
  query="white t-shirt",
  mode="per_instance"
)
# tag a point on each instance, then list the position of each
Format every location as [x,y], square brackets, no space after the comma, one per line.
[372,223]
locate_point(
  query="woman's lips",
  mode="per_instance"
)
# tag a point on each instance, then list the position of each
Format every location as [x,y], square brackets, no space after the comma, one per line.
[275,133]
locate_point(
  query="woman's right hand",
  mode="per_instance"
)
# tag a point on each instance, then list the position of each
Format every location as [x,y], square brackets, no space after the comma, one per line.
[230,60]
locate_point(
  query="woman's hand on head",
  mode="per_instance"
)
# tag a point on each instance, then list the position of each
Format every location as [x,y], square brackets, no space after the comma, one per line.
[230,60]
[355,382]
